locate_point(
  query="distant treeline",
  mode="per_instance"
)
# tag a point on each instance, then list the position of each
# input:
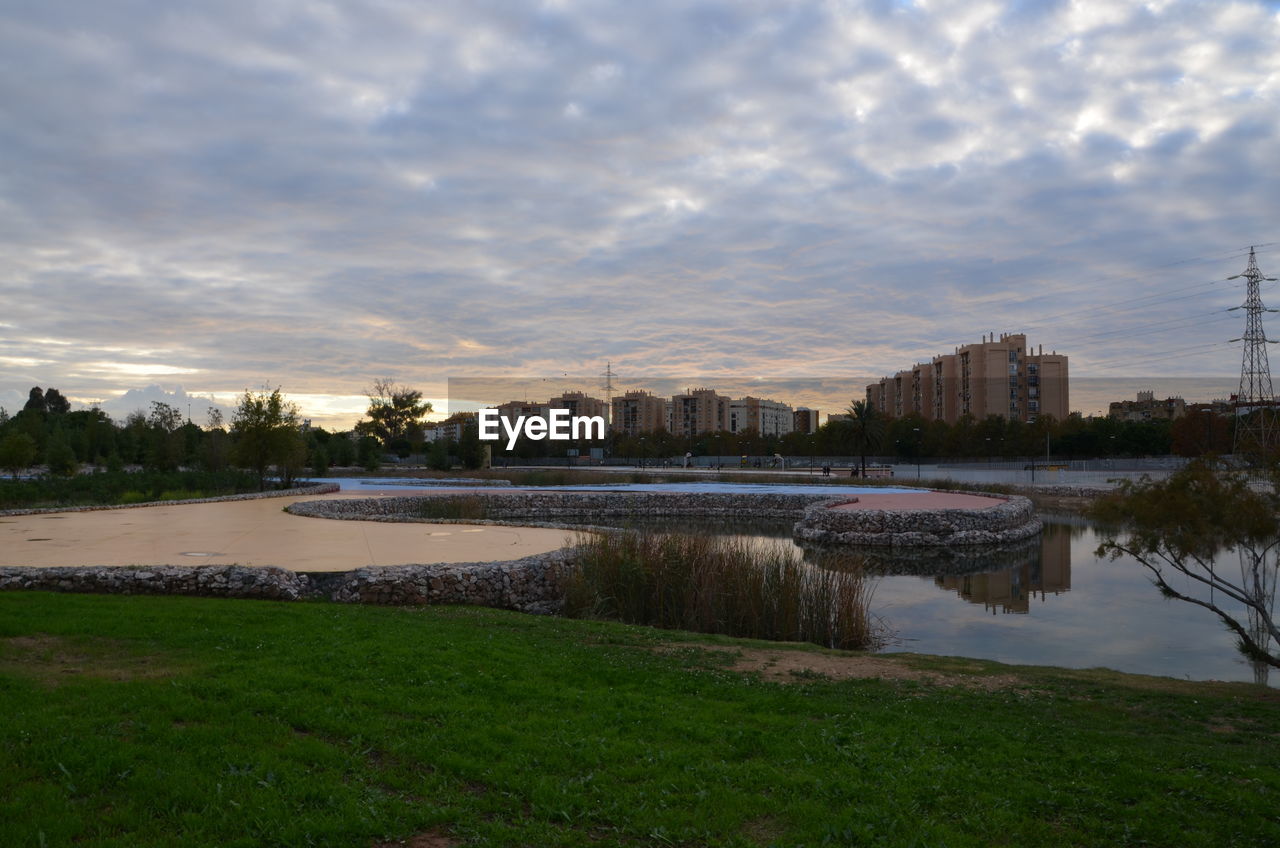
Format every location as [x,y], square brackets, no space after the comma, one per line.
[905,438]
[265,436]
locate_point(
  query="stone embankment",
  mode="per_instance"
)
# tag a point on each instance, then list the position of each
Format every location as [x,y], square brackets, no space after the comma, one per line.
[530,585]
[1009,519]
[541,506]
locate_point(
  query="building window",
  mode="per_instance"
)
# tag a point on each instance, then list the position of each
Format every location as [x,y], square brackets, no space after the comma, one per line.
[1013,355]
[1033,368]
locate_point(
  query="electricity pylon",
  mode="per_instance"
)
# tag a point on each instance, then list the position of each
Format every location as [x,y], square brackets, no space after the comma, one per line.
[1256,427]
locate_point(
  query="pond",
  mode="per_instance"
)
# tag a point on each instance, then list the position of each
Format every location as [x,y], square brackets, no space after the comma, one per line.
[1058,604]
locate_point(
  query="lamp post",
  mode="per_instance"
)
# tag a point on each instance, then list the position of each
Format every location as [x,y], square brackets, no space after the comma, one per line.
[642,452]
[916,430]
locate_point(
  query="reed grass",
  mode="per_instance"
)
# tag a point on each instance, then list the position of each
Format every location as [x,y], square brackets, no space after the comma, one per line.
[716,584]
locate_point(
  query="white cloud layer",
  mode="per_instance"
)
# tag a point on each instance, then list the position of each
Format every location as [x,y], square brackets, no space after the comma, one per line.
[314,195]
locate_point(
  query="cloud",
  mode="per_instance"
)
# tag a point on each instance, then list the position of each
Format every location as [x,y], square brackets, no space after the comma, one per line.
[311,196]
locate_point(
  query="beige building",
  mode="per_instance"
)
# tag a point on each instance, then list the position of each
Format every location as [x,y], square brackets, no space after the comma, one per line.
[1147,408]
[1003,377]
[698,411]
[766,417]
[579,403]
[639,412]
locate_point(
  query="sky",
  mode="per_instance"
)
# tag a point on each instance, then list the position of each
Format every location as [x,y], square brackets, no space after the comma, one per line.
[202,198]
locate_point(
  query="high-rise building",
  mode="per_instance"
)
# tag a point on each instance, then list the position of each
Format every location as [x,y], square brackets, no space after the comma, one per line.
[579,403]
[698,411]
[1003,377]
[639,412]
[804,420]
[766,417]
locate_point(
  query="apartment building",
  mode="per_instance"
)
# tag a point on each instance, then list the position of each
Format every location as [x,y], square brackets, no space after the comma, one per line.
[698,411]
[579,403]
[804,420]
[1147,408]
[1003,377]
[639,412]
[766,417]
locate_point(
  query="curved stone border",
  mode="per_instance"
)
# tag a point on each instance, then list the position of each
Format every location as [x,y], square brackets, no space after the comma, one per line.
[531,584]
[538,505]
[1011,521]
[306,491]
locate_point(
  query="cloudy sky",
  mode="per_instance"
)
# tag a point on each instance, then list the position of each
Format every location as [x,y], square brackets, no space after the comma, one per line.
[312,195]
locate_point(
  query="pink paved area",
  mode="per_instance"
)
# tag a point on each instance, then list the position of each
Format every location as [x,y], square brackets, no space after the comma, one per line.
[923,500]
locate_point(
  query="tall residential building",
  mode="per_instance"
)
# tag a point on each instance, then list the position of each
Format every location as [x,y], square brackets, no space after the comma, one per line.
[766,417]
[580,404]
[698,411]
[1003,377]
[513,410]
[804,420]
[639,412]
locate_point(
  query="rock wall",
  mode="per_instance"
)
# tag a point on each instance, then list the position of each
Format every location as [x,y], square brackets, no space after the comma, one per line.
[531,584]
[1011,521]
[540,506]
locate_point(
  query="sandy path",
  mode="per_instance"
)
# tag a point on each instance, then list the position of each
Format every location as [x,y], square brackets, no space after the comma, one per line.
[254,532]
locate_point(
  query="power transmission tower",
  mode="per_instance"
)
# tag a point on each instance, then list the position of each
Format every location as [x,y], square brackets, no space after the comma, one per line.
[1256,427]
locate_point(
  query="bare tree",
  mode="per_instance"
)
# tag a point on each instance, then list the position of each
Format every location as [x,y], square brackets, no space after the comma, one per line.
[1183,525]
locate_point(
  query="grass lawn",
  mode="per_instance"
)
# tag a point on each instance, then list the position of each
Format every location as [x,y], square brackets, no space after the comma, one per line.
[145,721]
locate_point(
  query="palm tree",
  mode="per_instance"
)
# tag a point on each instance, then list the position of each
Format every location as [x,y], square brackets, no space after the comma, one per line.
[868,429]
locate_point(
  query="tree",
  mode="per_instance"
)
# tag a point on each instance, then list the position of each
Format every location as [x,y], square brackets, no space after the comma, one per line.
[1181,525]
[55,403]
[265,431]
[35,401]
[17,451]
[868,429]
[59,457]
[395,412]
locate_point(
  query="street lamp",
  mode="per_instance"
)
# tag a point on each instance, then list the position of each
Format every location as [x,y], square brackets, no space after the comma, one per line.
[916,430]
[642,452]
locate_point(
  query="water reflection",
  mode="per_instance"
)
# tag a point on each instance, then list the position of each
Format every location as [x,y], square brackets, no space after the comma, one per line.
[1052,601]
[1011,590]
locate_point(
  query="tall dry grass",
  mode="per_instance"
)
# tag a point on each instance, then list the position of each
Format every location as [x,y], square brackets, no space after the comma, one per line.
[714,584]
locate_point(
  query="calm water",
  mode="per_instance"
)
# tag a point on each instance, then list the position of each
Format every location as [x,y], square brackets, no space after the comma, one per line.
[1057,604]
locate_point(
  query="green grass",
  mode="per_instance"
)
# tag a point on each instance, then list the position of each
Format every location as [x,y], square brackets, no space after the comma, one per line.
[148,721]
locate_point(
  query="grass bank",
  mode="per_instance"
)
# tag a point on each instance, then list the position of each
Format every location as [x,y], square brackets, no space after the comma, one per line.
[149,721]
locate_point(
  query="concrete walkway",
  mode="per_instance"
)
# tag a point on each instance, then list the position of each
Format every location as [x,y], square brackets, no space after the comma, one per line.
[256,532]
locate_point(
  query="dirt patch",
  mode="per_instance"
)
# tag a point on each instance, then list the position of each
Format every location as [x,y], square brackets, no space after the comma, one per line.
[426,839]
[54,660]
[797,666]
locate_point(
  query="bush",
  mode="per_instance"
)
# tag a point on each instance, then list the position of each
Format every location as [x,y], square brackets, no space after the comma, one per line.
[713,584]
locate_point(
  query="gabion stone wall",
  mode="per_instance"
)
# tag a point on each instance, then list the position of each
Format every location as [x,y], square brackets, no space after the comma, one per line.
[1011,519]
[531,584]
